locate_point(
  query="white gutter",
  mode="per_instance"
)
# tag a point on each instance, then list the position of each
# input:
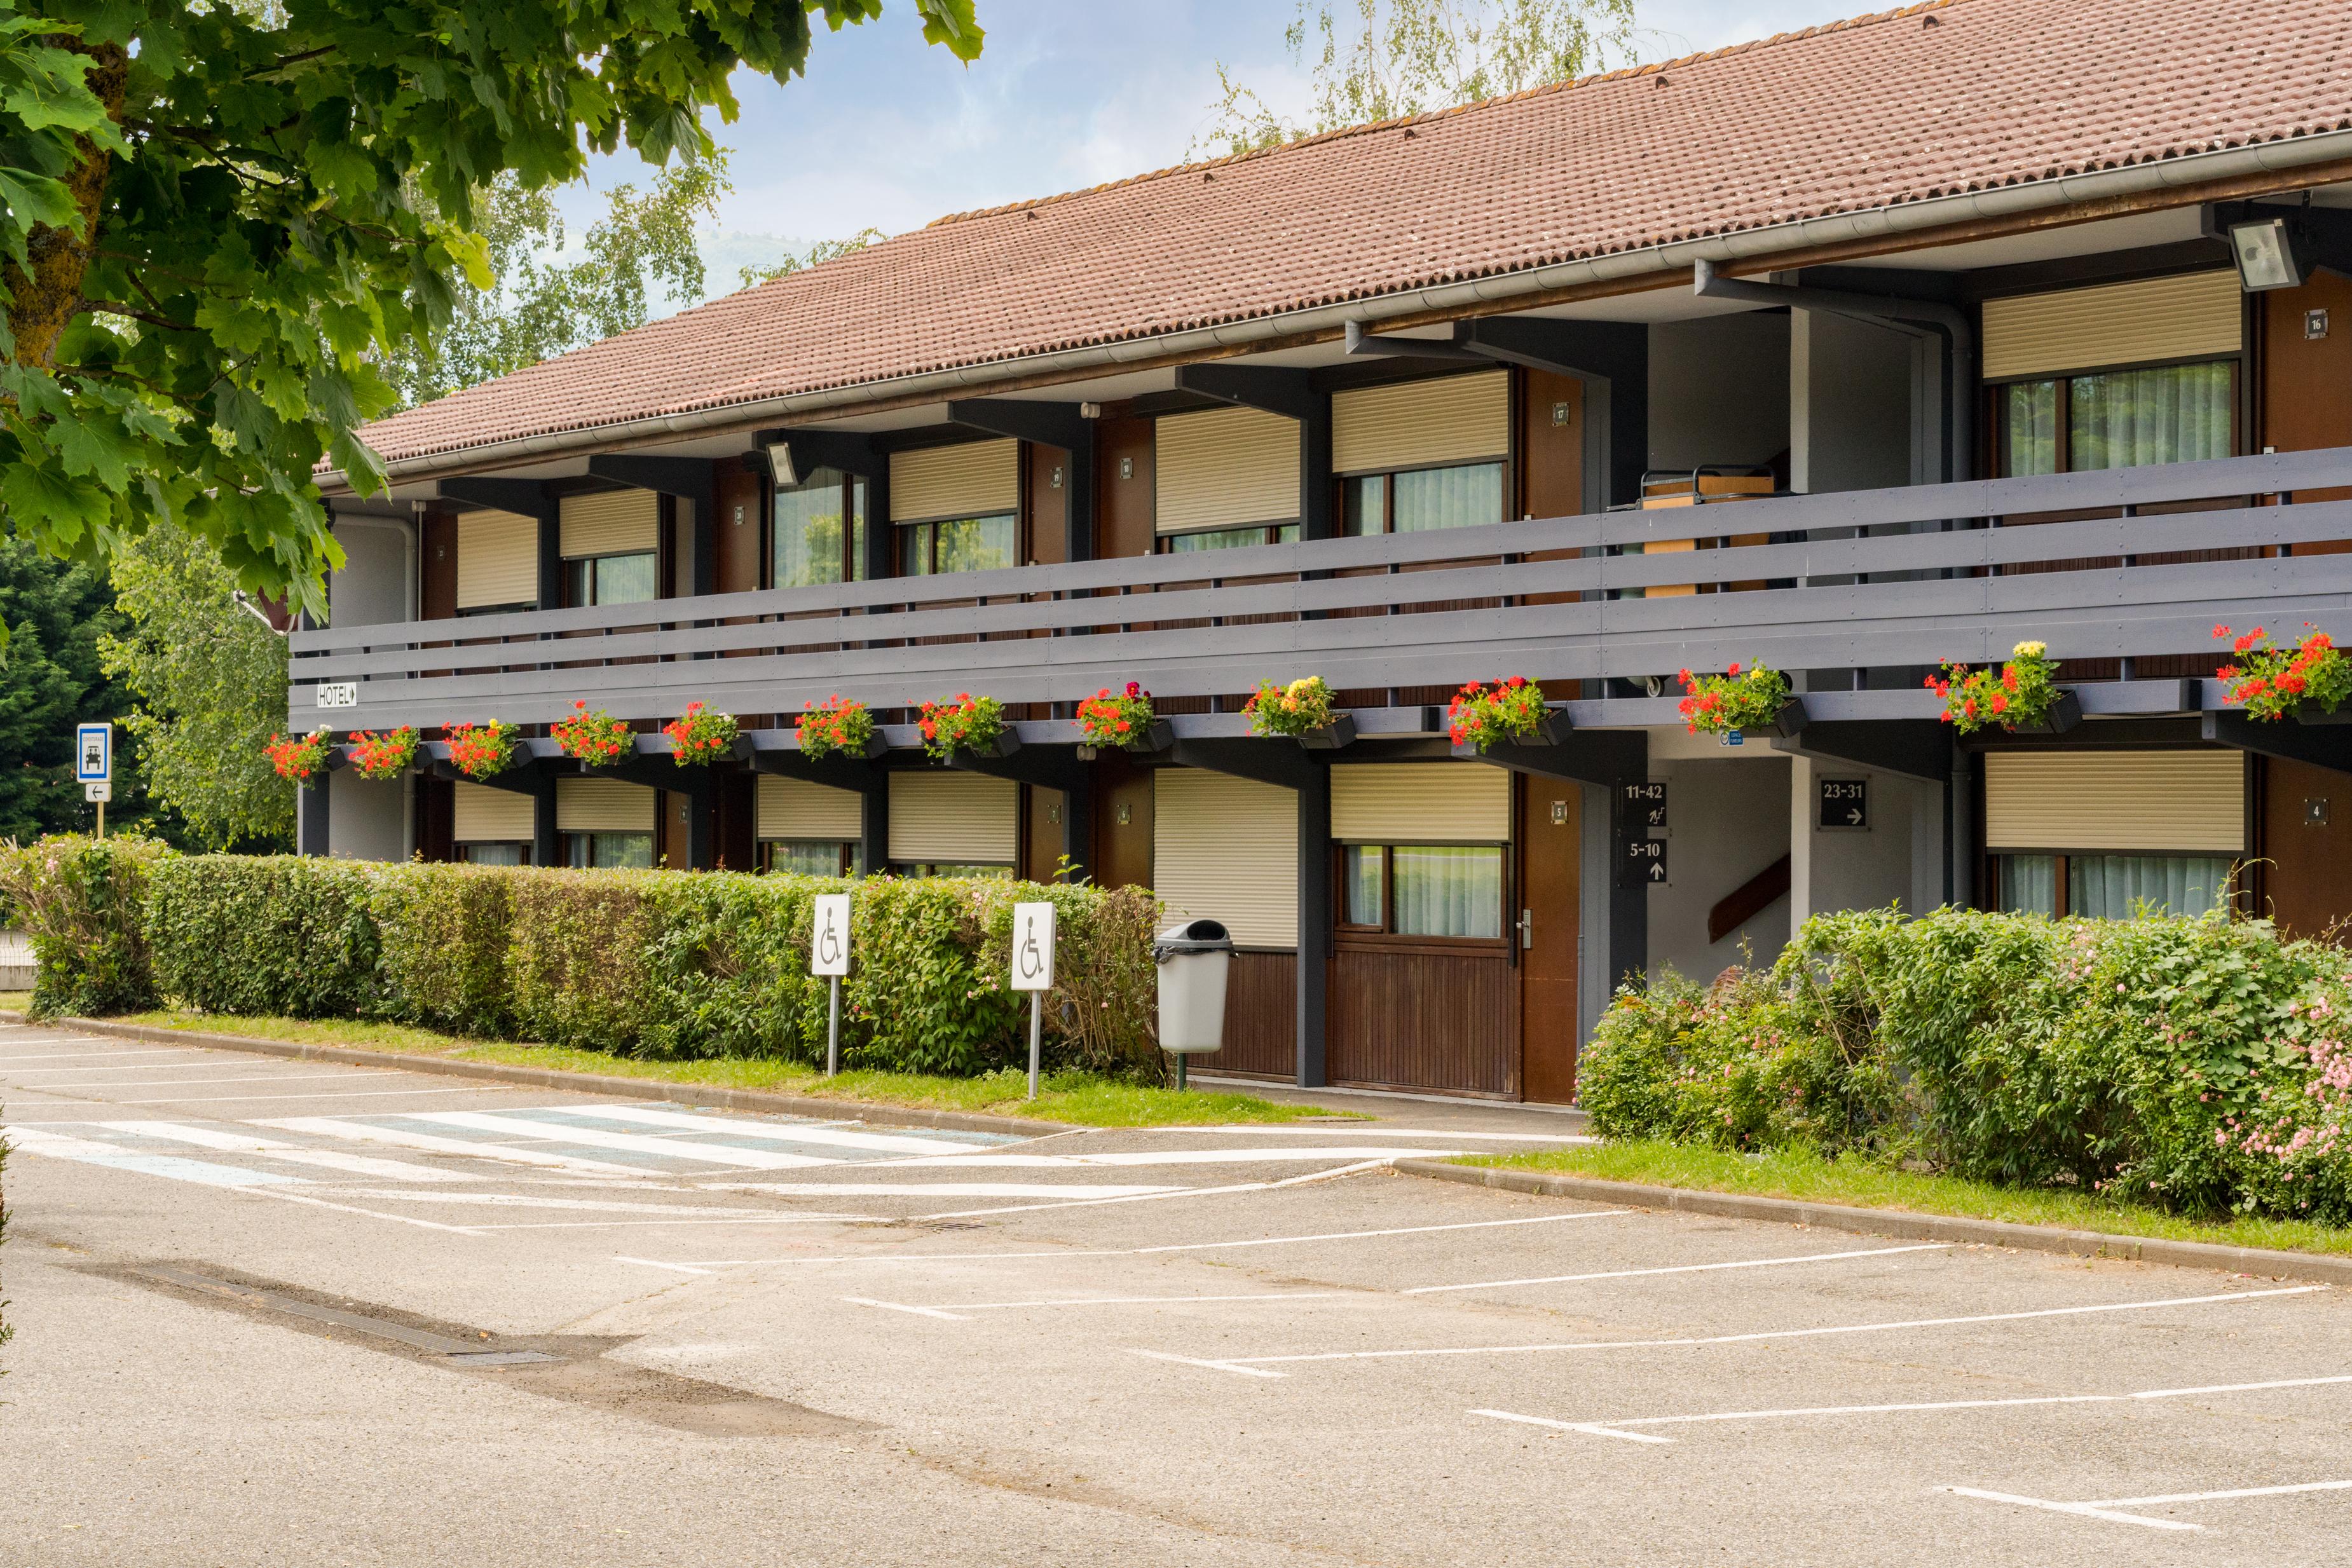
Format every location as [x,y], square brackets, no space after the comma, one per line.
[2006,201]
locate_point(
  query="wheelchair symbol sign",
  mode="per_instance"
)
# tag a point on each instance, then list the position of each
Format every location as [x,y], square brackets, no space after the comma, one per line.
[829,939]
[1032,947]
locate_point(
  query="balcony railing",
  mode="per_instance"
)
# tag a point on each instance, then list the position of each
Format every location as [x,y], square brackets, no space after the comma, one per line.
[1854,580]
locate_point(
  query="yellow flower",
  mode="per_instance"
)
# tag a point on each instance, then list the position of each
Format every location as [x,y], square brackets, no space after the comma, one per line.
[1302,688]
[2029,650]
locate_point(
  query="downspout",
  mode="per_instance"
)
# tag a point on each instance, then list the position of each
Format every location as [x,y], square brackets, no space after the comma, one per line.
[1945,321]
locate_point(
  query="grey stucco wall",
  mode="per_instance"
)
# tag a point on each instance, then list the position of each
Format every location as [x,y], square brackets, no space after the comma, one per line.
[1727,819]
[1718,390]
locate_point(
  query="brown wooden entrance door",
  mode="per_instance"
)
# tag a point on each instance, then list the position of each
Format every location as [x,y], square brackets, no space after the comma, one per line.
[1550,834]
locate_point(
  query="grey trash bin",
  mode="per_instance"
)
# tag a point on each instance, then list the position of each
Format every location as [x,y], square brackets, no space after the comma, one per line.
[1193,959]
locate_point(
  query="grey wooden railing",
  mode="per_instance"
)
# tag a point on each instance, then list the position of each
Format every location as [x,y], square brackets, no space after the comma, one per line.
[1538,598]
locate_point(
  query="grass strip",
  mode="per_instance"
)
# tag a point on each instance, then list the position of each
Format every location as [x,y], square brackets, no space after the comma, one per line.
[1799,1174]
[1084,1098]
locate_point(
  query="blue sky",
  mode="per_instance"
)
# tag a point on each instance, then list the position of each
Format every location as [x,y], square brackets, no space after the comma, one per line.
[888,132]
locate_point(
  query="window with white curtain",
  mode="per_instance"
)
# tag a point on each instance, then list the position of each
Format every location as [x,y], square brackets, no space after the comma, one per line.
[1420,500]
[2115,887]
[1423,889]
[2120,418]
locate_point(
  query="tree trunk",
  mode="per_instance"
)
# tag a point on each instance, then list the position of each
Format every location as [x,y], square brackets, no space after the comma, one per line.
[43,300]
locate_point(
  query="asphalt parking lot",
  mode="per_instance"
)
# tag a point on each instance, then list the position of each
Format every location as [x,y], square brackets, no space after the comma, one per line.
[309,1314]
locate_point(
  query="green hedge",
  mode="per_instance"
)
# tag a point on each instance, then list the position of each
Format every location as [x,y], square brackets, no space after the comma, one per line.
[652,964]
[2202,1066]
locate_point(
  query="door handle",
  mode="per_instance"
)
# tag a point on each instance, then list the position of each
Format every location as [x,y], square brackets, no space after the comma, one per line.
[1526,928]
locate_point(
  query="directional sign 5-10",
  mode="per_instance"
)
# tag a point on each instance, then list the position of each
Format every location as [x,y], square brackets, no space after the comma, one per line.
[1843,805]
[1643,863]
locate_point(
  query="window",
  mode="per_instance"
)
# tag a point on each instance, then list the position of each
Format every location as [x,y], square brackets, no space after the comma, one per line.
[1423,889]
[1232,538]
[1420,500]
[809,857]
[944,868]
[494,854]
[2114,887]
[2120,418]
[962,543]
[810,545]
[610,580]
[609,851]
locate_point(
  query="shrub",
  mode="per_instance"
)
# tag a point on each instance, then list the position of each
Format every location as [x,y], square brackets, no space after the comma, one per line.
[81,901]
[442,932]
[291,936]
[577,959]
[2197,1065]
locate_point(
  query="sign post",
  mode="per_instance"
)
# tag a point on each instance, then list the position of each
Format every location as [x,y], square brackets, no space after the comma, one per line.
[1032,971]
[829,957]
[94,766]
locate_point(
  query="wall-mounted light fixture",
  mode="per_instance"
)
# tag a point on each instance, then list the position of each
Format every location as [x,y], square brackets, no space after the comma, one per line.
[780,464]
[2265,253]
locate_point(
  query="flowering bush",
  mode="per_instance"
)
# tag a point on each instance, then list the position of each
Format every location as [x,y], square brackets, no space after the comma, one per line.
[301,759]
[1719,703]
[1299,708]
[698,736]
[1123,719]
[594,736]
[965,721]
[2201,1066]
[2272,683]
[838,724]
[480,751]
[385,756]
[2023,693]
[1484,715]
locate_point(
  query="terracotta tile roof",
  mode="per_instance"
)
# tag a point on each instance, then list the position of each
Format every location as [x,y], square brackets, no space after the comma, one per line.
[1947,97]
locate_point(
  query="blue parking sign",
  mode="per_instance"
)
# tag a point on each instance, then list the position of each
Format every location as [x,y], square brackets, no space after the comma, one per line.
[93,753]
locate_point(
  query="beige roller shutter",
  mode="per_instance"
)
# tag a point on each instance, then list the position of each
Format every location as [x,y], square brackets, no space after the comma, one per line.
[1421,803]
[1224,467]
[1419,424]
[487,816]
[497,559]
[2177,800]
[956,819]
[796,809]
[610,522]
[976,479]
[603,805]
[1227,849]
[2191,316]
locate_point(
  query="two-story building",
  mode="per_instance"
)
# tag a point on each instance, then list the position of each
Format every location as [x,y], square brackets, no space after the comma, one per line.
[1850,351]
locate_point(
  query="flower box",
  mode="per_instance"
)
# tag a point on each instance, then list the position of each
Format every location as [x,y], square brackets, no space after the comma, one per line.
[303,758]
[839,726]
[2066,713]
[480,751]
[1485,715]
[1340,732]
[974,726]
[593,737]
[1787,722]
[2022,697]
[1753,700]
[699,736]
[1123,719]
[2272,683]
[382,757]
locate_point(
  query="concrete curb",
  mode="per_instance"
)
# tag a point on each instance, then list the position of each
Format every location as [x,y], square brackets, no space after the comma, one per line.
[1900,1223]
[709,1096]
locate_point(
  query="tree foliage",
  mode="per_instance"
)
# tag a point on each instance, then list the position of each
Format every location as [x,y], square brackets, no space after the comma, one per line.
[210,682]
[538,305]
[817,255]
[1380,59]
[219,219]
[58,615]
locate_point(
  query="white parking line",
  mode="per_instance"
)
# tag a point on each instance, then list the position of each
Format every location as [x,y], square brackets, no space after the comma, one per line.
[1330,1175]
[774,1132]
[633,1143]
[313,1094]
[430,1142]
[2110,1508]
[174,1168]
[1170,1157]
[292,1154]
[193,1083]
[1677,1269]
[579,1204]
[957,1311]
[1091,1190]
[108,1055]
[1238,1361]
[1615,1427]
[1138,1251]
[1359,1129]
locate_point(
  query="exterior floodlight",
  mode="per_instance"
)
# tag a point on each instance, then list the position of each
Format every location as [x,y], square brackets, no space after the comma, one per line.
[2265,255]
[780,464]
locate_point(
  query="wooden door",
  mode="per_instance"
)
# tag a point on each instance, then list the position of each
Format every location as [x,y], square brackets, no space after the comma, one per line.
[741,550]
[2306,847]
[1122,822]
[1550,835]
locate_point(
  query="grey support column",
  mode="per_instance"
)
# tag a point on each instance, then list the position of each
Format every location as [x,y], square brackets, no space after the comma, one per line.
[1314,925]
[1961,819]
[1629,896]
[310,832]
[546,844]
[873,842]
[702,818]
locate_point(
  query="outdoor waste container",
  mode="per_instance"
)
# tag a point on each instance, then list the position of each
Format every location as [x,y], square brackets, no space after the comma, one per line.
[1193,959]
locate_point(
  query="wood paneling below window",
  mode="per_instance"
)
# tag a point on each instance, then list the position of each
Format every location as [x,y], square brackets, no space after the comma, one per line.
[1261,1018]
[1424,1017]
